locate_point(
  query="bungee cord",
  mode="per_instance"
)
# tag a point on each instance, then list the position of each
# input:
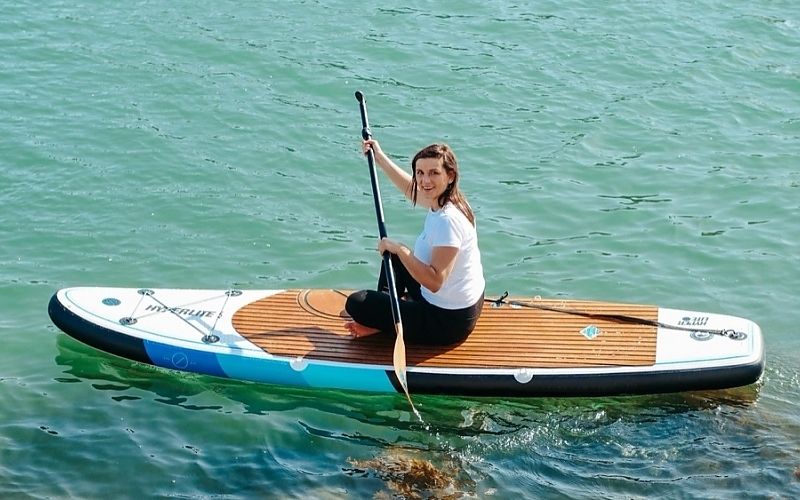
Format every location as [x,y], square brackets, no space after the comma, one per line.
[208,337]
[619,318]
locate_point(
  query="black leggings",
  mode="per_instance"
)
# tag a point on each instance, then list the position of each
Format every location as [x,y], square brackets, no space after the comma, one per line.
[423,322]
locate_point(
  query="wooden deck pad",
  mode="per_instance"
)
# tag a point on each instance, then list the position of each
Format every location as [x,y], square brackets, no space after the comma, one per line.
[309,324]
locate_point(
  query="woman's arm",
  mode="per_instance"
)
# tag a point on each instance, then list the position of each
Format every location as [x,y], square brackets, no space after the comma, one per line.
[432,276]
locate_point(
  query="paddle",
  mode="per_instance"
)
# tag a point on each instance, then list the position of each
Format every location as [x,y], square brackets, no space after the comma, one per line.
[399,359]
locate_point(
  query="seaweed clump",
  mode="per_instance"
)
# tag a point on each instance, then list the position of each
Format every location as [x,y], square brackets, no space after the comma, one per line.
[407,475]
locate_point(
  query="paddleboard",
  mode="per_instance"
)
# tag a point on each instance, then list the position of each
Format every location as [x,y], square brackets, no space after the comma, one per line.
[521,347]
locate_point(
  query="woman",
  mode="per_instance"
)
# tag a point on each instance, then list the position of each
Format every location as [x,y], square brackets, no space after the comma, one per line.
[441,279]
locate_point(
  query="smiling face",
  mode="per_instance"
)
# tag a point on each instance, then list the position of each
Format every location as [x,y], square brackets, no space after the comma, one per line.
[432,180]
[435,180]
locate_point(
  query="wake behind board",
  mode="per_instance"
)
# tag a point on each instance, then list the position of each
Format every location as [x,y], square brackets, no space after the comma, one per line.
[520,347]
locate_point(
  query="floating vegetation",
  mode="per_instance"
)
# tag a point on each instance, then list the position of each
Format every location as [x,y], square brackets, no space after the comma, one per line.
[408,475]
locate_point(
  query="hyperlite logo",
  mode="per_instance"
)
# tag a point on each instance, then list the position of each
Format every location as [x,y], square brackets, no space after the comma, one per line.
[196,313]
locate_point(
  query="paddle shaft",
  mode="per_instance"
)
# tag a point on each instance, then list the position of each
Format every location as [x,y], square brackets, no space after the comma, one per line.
[399,357]
[376,194]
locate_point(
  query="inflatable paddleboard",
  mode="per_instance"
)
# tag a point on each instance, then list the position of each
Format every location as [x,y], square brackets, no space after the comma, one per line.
[522,347]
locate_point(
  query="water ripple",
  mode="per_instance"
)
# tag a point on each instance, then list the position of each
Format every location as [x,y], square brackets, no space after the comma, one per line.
[615,152]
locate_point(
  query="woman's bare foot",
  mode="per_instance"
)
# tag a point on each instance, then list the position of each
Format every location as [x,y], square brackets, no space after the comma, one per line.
[358,330]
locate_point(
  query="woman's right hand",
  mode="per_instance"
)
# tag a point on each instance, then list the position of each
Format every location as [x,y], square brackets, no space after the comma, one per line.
[372,144]
[400,178]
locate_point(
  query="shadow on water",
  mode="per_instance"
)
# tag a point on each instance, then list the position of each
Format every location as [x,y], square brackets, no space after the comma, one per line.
[129,380]
[439,458]
[111,373]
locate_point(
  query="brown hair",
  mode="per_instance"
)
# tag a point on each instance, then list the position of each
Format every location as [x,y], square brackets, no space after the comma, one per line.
[452,194]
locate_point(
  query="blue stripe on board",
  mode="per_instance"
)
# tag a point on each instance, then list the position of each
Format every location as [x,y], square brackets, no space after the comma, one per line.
[177,358]
[354,378]
[305,374]
[271,371]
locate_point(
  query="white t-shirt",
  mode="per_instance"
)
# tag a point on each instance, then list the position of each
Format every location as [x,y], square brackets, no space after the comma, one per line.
[449,227]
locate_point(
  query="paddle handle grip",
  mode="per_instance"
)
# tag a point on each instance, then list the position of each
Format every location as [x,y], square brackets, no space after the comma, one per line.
[366,134]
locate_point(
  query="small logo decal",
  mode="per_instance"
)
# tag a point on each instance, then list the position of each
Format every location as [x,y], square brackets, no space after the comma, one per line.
[591,332]
[693,321]
[180,360]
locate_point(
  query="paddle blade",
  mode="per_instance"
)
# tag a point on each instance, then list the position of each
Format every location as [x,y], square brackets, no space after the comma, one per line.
[399,361]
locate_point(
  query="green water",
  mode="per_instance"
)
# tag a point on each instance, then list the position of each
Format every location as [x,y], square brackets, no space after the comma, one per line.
[637,152]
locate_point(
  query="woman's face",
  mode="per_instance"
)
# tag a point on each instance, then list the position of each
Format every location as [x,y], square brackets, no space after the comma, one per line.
[432,179]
